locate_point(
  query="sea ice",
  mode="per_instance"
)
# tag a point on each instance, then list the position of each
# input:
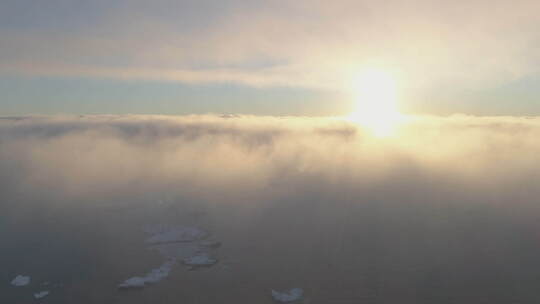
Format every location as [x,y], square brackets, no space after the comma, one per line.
[158,274]
[154,276]
[174,243]
[294,294]
[176,251]
[163,234]
[201,259]
[20,280]
[134,282]
[41,294]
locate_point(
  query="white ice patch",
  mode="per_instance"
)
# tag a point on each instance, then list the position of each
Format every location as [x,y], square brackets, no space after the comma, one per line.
[176,243]
[134,282]
[163,234]
[41,294]
[154,276]
[176,251]
[182,244]
[294,294]
[158,274]
[20,280]
[201,259]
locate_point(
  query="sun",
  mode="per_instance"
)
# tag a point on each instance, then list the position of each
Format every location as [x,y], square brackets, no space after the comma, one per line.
[375,93]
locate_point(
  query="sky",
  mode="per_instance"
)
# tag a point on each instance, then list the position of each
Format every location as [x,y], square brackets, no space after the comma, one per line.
[267,57]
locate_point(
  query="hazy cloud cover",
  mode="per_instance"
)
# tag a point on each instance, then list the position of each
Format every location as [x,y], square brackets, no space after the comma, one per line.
[494,158]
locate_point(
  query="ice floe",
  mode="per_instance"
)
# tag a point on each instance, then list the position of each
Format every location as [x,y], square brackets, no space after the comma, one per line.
[294,294]
[199,260]
[154,276]
[175,243]
[134,282]
[176,251]
[163,234]
[181,243]
[20,280]
[158,274]
[41,294]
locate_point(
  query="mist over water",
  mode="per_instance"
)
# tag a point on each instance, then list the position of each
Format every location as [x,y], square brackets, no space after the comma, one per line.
[444,211]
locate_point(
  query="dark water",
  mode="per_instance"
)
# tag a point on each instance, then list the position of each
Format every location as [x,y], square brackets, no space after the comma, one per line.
[343,251]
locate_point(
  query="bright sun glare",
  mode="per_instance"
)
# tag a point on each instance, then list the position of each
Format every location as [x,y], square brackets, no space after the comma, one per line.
[376,102]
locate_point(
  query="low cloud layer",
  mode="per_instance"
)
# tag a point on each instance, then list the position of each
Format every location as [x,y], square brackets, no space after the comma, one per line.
[245,158]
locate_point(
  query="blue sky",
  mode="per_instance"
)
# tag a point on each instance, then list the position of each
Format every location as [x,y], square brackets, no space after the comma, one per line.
[266,57]
[59,95]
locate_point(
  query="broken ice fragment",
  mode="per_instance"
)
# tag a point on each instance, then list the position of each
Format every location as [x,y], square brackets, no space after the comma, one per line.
[20,280]
[135,282]
[41,294]
[158,274]
[294,294]
[199,260]
[176,234]
[174,251]
[154,276]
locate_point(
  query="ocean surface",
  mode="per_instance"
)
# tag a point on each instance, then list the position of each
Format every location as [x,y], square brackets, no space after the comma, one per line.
[337,252]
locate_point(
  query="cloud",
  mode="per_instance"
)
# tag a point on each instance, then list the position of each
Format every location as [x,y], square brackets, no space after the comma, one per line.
[243,155]
[320,44]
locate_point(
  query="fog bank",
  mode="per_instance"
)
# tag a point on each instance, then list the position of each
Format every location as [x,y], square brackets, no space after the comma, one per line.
[248,159]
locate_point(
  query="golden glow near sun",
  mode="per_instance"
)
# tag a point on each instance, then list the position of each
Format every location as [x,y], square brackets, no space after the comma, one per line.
[375,93]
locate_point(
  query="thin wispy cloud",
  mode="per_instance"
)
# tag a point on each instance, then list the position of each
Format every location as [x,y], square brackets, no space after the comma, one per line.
[272,43]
